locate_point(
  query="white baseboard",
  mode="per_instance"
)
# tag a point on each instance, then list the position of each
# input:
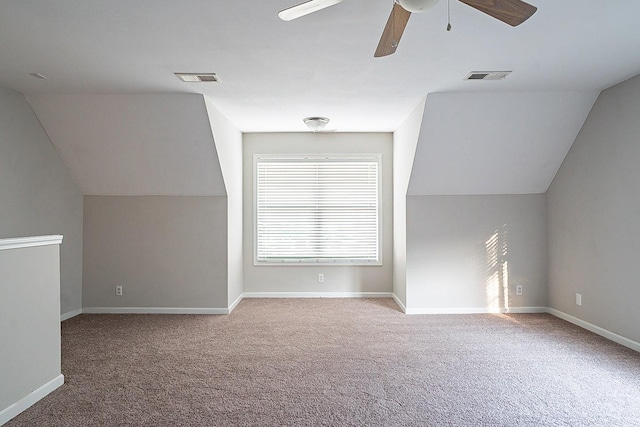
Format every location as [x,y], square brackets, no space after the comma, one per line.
[69,314]
[23,404]
[400,304]
[153,310]
[595,329]
[235,303]
[317,295]
[525,310]
[474,310]
[180,310]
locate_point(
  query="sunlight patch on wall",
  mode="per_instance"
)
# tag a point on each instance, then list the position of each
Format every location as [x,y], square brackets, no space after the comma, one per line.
[497,285]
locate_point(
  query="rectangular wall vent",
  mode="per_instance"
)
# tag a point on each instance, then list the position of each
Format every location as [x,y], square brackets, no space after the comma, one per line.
[487,75]
[197,77]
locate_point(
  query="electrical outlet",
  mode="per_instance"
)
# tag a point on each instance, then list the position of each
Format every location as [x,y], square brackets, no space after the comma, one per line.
[519,290]
[119,291]
[320,278]
[578,299]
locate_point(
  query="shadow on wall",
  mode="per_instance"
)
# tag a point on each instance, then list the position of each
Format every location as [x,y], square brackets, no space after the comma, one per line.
[497,285]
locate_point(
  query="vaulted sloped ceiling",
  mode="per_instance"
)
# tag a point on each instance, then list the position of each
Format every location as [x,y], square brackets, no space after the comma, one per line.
[469,143]
[495,143]
[134,144]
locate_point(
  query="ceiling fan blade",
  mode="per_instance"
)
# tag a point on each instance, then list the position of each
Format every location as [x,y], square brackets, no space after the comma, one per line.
[392,31]
[512,12]
[305,8]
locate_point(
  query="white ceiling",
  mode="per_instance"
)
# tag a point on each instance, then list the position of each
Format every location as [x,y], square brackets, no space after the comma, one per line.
[274,73]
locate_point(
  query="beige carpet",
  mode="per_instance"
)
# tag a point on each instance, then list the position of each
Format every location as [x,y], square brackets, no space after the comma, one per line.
[338,362]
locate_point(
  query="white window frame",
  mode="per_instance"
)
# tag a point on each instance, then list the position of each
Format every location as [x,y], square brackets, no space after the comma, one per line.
[315,158]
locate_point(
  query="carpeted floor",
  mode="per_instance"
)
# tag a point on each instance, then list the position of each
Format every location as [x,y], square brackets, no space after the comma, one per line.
[338,362]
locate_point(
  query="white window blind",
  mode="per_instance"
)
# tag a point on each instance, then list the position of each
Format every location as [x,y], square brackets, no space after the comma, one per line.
[317,210]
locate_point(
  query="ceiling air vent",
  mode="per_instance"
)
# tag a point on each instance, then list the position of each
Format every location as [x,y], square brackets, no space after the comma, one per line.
[487,75]
[197,77]
[38,76]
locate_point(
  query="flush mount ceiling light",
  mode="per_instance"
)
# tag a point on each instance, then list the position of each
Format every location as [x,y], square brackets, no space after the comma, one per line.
[197,77]
[316,123]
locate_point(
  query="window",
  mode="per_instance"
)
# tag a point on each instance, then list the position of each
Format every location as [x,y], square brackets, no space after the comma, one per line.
[317,209]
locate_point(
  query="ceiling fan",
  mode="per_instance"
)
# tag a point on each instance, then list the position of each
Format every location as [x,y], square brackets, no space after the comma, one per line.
[512,12]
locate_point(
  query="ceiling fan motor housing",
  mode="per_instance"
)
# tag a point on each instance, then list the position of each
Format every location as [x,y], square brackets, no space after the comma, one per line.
[416,6]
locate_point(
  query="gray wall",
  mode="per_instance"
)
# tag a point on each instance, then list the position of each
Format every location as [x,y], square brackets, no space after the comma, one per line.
[37,194]
[305,278]
[593,214]
[167,251]
[462,251]
[30,321]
